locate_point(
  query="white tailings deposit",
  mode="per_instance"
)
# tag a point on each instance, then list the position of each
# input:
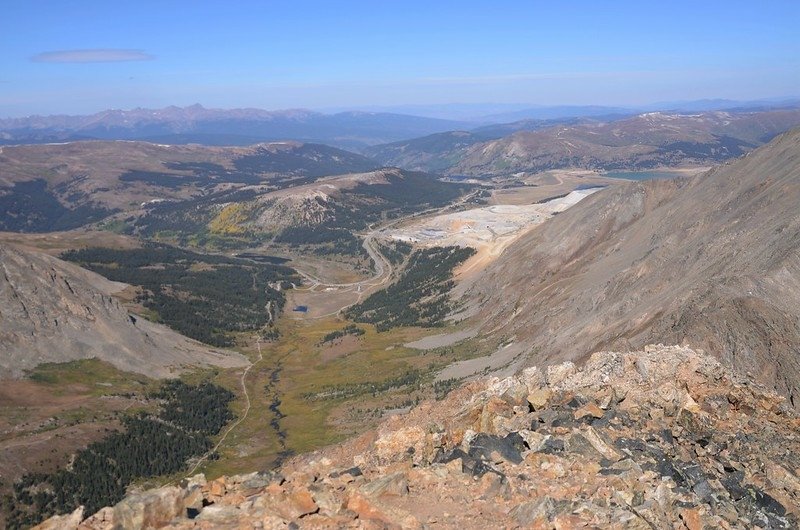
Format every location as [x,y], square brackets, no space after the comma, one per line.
[489,229]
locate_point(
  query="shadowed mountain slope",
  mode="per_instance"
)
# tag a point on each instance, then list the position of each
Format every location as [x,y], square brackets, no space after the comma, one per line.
[52,311]
[437,152]
[441,151]
[712,262]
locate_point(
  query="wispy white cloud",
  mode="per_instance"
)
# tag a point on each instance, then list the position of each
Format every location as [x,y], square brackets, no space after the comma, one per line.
[97,55]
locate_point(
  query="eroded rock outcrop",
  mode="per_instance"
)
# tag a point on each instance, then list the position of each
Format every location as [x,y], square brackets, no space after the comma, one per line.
[660,438]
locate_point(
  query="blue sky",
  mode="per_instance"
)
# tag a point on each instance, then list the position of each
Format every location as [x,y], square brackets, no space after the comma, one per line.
[83,56]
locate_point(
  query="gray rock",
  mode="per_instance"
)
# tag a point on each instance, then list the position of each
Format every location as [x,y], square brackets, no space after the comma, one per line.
[553,445]
[495,449]
[151,509]
[578,444]
[534,440]
[528,512]
[394,484]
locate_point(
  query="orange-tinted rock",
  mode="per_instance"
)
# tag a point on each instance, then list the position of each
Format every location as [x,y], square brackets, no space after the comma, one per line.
[217,487]
[692,519]
[590,409]
[302,502]
[538,398]
[365,508]
[624,463]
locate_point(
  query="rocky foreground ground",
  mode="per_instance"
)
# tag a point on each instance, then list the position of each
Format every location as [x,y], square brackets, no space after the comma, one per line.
[661,438]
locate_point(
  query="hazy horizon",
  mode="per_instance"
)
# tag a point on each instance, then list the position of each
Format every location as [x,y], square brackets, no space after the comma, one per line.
[84,58]
[456,111]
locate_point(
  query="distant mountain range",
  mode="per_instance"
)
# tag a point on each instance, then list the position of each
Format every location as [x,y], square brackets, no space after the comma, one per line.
[559,113]
[648,140]
[492,113]
[704,105]
[197,124]
[350,129]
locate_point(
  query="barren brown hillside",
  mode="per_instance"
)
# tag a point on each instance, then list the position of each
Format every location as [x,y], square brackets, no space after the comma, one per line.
[644,141]
[712,262]
[121,175]
[53,311]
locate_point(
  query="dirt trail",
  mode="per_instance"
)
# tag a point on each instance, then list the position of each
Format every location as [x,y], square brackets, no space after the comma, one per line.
[235,424]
